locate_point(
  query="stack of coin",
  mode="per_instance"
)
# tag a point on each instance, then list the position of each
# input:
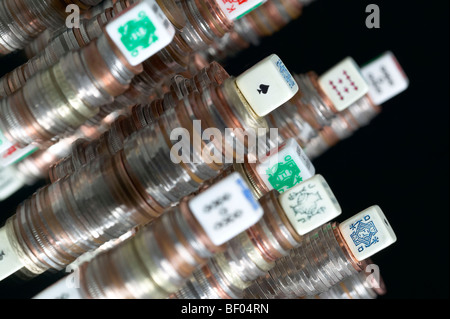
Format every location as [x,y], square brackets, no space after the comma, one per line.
[363,285]
[36,166]
[99,8]
[291,124]
[320,261]
[23,20]
[38,44]
[153,264]
[62,41]
[64,96]
[248,30]
[206,22]
[342,126]
[141,115]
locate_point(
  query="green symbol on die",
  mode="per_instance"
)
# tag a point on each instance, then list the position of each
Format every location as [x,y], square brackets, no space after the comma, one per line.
[284,175]
[139,33]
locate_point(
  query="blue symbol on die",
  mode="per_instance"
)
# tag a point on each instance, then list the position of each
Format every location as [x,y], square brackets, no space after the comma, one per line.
[247,193]
[364,234]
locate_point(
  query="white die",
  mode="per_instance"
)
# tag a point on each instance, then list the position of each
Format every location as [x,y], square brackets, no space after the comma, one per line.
[235,9]
[267,85]
[385,78]
[145,18]
[9,262]
[343,84]
[16,154]
[65,288]
[367,233]
[310,204]
[287,167]
[226,209]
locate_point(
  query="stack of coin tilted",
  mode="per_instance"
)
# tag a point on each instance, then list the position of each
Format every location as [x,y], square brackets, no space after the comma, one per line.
[62,41]
[65,95]
[23,20]
[141,115]
[264,21]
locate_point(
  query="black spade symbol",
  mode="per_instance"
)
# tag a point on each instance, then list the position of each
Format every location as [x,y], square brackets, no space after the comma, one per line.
[263,89]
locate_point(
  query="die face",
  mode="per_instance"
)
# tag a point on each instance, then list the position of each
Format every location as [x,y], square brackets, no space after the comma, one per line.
[385,78]
[344,84]
[287,167]
[367,233]
[267,85]
[310,204]
[226,209]
[15,154]
[141,31]
[235,9]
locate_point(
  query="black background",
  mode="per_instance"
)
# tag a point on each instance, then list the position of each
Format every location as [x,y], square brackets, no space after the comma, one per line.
[400,161]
